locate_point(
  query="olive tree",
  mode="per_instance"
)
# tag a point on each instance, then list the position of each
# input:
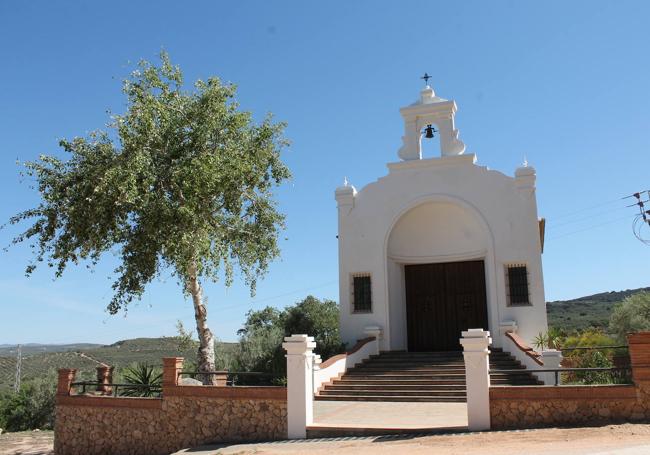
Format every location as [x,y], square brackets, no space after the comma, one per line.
[182,182]
[631,315]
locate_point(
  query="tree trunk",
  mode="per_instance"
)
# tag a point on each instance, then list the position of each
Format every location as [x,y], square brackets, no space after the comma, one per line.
[206,339]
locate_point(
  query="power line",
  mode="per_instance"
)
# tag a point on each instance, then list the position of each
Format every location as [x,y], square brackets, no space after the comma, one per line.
[642,219]
[636,227]
[590,227]
[584,209]
[286,294]
[594,215]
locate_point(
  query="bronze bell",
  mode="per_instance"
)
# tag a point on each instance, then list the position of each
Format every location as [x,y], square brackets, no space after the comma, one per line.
[428,131]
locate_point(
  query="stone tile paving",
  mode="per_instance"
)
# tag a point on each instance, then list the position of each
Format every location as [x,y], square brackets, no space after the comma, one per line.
[379,414]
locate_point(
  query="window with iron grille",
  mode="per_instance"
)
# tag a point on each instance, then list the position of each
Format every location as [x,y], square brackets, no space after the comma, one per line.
[517,284]
[361,293]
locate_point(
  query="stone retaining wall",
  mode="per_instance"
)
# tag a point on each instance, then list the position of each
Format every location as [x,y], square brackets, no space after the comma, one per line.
[540,406]
[186,416]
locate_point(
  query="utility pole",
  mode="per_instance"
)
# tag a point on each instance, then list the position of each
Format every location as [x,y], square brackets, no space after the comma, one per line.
[19,365]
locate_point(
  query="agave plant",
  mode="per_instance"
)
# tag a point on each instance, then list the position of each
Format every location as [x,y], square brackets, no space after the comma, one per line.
[145,379]
[555,338]
[541,341]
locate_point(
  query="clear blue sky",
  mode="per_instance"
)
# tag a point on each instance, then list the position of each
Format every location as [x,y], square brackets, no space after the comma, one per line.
[565,84]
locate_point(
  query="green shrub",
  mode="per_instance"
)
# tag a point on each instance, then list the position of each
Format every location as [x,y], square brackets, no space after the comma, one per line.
[594,359]
[590,358]
[32,407]
[589,338]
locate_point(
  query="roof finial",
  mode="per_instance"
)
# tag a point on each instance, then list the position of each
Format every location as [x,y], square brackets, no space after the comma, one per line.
[525,161]
[426,78]
[345,181]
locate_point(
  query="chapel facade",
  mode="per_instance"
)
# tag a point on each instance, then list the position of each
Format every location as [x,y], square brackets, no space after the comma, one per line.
[439,245]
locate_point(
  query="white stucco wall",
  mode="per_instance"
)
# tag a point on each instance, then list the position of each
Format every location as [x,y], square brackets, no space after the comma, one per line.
[438,210]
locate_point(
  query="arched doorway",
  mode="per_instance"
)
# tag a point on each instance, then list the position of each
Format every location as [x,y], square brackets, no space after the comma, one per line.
[436,276]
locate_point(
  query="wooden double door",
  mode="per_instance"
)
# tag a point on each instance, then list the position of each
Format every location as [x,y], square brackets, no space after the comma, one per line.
[442,300]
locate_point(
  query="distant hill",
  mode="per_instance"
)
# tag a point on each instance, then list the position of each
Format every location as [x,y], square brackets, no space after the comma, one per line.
[35,348]
[85,357]
[584,312]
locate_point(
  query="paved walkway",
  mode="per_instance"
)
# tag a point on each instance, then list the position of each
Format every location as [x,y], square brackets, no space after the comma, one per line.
[378,414]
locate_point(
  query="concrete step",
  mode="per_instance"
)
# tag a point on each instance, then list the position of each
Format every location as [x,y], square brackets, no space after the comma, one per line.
[420,363]
[397,381]
[432,366]
[415,359]
[383,383]
[431,355]
[455,399]
[439,374]
[370,386]
[330,431]
[419,353]
[434,378]
[418,376]
[392,393]
[402,362]
[430,371]
[434,358]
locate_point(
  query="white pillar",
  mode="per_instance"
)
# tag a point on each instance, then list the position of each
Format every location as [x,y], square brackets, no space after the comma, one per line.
[300,385]
[551,359]
[475,344]
[375,332]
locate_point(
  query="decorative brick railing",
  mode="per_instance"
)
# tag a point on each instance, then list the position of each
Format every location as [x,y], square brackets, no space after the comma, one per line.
[184,416]
[532,359]
[521,345]
[539,406]
[335,366]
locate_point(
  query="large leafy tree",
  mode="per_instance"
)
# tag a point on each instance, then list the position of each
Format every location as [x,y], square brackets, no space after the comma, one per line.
[260,347]
[182,181]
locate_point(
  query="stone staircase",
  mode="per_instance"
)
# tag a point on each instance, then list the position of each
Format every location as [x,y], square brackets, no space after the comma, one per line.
[418,376]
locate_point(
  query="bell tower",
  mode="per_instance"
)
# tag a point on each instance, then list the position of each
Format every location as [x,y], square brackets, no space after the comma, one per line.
[419,119]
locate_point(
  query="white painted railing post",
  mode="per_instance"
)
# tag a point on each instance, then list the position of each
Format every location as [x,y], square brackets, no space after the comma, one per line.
[300,385]
[551,359]
[375,332]
[475,344]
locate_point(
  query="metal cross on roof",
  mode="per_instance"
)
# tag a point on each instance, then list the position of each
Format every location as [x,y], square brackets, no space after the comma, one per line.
[426,78]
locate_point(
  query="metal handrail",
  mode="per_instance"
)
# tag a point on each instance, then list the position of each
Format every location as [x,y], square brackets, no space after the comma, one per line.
[557,371]
[230,374]
[586,348]
[115,386]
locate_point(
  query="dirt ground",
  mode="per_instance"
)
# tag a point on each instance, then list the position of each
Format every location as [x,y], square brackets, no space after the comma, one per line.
[27,443]
[627,439]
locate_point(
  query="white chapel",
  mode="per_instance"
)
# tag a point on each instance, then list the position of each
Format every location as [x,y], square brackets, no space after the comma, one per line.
[439,245]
